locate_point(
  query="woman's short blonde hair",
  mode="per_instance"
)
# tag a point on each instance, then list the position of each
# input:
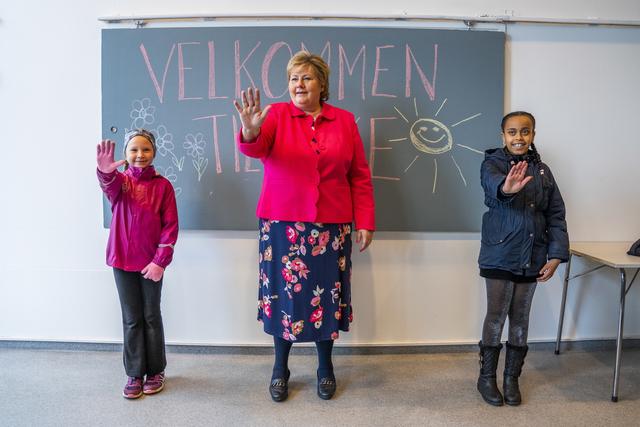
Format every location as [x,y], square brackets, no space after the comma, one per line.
[320,68]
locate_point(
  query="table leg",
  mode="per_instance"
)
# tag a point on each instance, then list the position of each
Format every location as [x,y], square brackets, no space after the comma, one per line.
[616,372]
[564,302]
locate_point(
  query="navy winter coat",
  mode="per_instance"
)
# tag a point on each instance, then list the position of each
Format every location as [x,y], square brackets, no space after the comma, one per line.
[521,231]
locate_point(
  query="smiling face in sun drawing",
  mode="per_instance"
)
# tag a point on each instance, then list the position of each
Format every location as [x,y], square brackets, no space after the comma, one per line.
[431,136]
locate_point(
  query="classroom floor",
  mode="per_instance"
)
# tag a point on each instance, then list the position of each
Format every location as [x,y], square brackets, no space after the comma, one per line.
[44,387]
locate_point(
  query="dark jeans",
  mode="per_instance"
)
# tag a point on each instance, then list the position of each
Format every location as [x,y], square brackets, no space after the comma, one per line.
[143,352]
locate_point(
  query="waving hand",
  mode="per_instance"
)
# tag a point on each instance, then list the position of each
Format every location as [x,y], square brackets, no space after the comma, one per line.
[516,179]
[251,114]
[106,164]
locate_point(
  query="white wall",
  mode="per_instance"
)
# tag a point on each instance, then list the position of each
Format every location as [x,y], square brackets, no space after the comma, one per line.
[582,83]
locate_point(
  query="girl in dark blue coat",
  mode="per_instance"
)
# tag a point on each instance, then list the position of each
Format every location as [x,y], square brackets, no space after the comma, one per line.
[524,239]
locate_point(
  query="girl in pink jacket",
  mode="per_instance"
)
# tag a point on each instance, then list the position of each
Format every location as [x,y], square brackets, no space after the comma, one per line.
[144,229]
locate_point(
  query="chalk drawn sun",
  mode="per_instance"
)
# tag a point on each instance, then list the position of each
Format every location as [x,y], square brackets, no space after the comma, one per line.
[430,136]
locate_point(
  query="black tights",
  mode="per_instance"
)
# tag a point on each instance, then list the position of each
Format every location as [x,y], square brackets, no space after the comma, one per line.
[507,298]
[281,364]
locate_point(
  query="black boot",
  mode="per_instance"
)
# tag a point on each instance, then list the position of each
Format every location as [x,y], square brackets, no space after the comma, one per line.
[487,385]
[512,370]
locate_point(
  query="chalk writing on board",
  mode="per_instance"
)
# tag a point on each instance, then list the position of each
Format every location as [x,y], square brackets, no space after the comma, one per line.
[241,68]
[432,137]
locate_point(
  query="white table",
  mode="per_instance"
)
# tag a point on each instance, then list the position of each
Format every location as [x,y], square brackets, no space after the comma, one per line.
[604,254]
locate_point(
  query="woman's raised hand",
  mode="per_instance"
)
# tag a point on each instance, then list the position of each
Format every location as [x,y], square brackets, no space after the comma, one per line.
[516,179]
[106,164]
[251,115]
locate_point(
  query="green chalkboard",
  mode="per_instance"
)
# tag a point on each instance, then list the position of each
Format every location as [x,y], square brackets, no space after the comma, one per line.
[428,103]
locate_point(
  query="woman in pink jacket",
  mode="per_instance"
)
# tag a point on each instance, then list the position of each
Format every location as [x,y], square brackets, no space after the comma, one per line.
[144,229]
[316,184]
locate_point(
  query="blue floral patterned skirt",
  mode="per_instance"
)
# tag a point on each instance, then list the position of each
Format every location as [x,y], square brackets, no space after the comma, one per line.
[304,288]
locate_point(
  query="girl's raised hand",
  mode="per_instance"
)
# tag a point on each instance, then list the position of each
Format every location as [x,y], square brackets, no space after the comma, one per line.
[251,114]
[106,164]
[516,179]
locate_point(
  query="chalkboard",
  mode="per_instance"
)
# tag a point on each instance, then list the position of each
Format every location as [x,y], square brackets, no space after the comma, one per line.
[427,103]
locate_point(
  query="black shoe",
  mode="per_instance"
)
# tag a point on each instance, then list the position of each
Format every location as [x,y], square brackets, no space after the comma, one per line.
[487,385]
[279,388]
[326,388]
[512,370]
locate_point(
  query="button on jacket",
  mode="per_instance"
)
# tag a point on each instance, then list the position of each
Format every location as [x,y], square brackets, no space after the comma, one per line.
[144,226]
[520,232]
[314,171]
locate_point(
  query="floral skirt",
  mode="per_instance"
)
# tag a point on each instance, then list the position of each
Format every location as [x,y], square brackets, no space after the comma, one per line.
[304,288]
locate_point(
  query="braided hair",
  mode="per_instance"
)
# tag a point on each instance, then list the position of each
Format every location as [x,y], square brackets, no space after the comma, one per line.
[532,147]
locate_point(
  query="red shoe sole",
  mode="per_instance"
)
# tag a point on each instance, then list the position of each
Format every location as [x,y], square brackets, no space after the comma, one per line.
[131,396]
[154,391]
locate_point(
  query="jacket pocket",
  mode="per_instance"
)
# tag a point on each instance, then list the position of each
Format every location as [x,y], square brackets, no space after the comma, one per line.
[495,229]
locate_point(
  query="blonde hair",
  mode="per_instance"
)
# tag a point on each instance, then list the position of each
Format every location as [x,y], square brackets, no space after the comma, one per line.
[320,68]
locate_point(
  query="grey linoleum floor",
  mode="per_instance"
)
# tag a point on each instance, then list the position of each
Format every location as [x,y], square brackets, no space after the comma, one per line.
[44,387]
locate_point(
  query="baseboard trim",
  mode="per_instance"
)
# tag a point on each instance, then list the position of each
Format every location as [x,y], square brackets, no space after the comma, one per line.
[578,345]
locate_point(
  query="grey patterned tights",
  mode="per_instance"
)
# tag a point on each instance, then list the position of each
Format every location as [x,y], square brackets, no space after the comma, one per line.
[507,298]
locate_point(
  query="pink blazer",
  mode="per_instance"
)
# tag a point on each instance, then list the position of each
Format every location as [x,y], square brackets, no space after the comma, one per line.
[313,171]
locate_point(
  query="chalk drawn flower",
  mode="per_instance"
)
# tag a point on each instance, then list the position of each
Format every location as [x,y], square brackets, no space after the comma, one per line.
[168,173]
[164,141]
[171,176]
[194,144]
[142,113]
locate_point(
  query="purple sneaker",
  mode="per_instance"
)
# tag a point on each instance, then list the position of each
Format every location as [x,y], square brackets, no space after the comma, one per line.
[133,389]
[154,384]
